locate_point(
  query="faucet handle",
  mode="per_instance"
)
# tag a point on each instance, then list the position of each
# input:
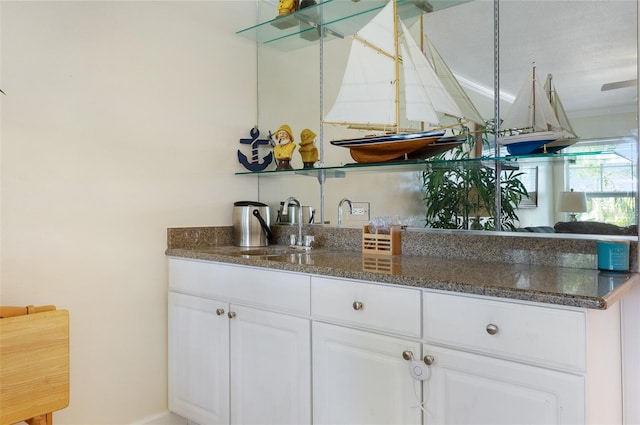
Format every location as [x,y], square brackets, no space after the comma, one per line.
[308,239]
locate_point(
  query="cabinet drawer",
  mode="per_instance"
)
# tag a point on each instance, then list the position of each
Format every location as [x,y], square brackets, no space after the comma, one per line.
[288,292]
[389,309]
[528,333]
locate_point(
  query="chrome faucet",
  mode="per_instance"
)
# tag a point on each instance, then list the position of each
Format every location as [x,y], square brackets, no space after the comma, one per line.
[342,201]
[285,211]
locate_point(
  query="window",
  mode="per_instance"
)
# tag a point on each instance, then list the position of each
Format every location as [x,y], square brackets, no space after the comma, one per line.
[610,184]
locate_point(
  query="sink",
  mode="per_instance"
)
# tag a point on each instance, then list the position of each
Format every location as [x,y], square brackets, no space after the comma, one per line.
[278,253]
[272,251]
[260,252]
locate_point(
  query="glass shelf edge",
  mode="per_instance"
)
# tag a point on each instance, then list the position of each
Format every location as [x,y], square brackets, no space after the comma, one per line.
[339,171]
[287,38]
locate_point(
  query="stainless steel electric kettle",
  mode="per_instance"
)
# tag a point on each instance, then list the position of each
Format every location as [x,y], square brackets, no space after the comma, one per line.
[251,224]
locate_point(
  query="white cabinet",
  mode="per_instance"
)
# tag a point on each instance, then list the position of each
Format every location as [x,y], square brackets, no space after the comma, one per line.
[359,375]
[252,286]
[198,359]
[499,362]
[248,345]
[361,378]
[270,368]
[533,334]
[390,309]
[467,388]
[233,363]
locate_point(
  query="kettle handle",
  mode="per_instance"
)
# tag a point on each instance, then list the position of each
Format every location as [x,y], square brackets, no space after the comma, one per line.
[264,225]
[312,216]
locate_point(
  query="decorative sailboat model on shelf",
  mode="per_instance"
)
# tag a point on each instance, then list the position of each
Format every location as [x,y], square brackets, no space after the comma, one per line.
[369,97]
[569,137]
[537,121]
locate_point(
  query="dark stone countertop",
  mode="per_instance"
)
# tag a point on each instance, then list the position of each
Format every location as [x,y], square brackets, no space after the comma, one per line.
[577,287]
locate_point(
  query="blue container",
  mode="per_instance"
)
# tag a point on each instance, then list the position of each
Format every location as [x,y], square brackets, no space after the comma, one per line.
[613,255]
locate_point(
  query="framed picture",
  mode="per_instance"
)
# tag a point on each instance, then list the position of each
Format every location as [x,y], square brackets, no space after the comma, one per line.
[530,180]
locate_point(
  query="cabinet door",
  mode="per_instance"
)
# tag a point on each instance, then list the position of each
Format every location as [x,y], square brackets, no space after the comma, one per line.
[198,359]
[270,368]
[361,378]
[468,388]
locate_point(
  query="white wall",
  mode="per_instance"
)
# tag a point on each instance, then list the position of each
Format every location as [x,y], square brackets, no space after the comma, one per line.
[121,119]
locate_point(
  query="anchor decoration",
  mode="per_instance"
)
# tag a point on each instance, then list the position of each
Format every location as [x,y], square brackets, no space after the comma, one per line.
[254,164]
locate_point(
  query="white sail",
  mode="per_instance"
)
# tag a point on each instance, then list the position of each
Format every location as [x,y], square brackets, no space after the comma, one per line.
[380,31]
[557,106]
[367,94]
[531,109]
[417,105]
[424,92]
[449,81]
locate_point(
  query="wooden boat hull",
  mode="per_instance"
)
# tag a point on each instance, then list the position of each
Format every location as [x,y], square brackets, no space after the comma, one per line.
[389,146]
[440,146]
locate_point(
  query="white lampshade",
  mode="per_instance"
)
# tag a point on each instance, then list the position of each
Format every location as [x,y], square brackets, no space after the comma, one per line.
[572,202]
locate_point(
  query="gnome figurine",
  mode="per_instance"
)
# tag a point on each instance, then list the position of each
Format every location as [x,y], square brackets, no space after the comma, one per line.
[287,6]
[284,148]
[307,149]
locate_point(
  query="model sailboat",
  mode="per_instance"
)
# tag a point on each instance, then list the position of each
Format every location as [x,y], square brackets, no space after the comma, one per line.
[369,96]
[532,123]
[569,136]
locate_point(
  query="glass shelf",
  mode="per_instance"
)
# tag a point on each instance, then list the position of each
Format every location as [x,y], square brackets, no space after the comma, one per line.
[506,162]
[333,19]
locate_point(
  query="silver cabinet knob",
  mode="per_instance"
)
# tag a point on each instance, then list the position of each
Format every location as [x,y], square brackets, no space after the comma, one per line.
[407,355]
[492,329]
[220,311]
[429,359]
[357,305]
[231,314]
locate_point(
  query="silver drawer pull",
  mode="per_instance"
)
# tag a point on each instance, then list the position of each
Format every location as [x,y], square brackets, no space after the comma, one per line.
[407,355]
[357,305]
[220,311]
[492,329]
[231,314]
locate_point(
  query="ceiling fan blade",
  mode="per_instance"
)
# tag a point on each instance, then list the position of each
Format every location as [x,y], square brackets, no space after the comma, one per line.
[619,85]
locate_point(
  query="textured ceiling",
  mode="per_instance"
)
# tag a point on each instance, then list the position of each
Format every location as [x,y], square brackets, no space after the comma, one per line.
[583,43]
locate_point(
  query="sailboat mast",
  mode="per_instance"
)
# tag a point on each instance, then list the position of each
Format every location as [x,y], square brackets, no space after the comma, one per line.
[397,61]
[551,102]
[533,94]
[422,49]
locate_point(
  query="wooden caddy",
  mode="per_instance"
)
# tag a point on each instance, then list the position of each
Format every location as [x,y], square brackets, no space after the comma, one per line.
[385,244]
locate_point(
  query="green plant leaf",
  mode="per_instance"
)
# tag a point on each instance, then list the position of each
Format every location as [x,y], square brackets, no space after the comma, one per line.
[456,197]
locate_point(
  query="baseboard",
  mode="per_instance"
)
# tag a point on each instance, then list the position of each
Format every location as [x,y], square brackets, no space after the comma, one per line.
[164,418]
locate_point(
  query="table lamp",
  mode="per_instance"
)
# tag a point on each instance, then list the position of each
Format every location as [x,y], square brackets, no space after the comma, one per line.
[572,203]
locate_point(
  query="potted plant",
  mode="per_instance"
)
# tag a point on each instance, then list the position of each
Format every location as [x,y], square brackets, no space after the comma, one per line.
[462,195]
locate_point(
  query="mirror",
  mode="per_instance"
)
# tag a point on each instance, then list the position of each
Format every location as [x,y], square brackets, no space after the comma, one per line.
[582,59]
[585,45]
